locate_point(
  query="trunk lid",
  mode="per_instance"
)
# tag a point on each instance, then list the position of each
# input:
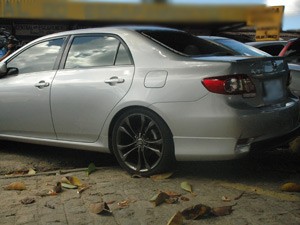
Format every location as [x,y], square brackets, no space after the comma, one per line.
[268,74]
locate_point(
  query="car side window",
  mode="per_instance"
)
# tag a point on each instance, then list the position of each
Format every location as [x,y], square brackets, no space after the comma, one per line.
[92,51]
[40,57]
[123,57]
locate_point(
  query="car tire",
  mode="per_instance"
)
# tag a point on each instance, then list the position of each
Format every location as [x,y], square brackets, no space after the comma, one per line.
[143,143]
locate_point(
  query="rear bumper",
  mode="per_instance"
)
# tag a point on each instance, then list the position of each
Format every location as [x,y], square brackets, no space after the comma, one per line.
[210,129]
[276,141]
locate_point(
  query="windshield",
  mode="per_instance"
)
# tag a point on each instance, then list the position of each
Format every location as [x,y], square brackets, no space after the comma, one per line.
[241,48]
[186,44]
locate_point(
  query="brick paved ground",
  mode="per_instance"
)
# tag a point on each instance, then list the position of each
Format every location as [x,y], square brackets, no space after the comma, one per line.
[113,184]
[260,178]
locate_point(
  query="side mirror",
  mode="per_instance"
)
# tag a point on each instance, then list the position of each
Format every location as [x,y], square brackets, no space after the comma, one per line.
[12,71]
[3,69]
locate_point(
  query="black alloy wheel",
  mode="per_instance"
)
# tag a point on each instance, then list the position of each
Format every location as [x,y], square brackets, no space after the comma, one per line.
[142,142]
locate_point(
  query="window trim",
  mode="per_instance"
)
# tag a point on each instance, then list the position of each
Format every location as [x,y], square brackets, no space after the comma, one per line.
[73,36]
[59,56]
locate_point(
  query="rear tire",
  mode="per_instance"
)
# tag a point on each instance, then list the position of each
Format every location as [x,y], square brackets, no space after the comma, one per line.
[143,143]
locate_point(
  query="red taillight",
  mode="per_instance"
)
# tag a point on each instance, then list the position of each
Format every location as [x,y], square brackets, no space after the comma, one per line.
[230,85]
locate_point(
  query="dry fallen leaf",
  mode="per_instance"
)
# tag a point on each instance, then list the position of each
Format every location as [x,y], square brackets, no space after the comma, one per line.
[185,199]
[57,189]
[162,176]
[196,212]
[172,194]
[82,189]
[125,203]
[31,172]
[98,208]
[18,186]
[222,211]
[186,186]
[27,201]
[290,187]
[65,180]
[171,200]
[226,199]
[159,198]
[177,219]
[72,180]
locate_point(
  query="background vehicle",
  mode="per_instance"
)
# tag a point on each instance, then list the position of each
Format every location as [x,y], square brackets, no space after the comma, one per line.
[237,47]
[149,95]
[271,47]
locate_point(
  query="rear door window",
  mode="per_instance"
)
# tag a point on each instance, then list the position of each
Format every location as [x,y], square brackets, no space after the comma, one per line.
[96,51]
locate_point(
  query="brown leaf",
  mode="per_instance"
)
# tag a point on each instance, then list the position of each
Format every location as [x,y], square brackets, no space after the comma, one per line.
[159,198]
[98,208]
[222,211]
[162,176]
[196,212]
[290,187]
[125,203]
[57,189]
[82,189]
[18,186]
[185,199]
[177,219]
[27,201]
[17,173]
[172,194]
[171,200]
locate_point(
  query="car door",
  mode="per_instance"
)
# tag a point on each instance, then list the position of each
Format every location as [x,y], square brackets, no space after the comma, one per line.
[97,73]
[24,95]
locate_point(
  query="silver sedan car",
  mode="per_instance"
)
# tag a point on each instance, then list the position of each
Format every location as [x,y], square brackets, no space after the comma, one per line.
[148,95]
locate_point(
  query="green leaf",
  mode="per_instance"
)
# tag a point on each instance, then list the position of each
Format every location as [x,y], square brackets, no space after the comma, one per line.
[68,186]
[186,186]
[91,169]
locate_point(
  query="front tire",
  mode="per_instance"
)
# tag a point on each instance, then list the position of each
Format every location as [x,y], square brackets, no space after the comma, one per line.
[142,142]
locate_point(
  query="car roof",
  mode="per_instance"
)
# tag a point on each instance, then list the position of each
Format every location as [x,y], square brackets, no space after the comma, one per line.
[112,29]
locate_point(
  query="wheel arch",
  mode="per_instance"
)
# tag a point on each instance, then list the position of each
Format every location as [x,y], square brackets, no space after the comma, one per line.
[123,110]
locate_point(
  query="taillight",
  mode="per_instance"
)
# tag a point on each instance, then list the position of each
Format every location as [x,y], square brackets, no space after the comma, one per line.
[231,85]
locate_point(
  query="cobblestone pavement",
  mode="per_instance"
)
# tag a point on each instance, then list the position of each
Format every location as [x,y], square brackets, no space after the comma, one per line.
[259,177]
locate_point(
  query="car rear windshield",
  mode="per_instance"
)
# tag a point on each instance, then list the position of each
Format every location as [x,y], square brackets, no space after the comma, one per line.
[185,43]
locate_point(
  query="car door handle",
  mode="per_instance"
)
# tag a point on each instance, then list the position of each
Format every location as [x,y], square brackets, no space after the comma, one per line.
[42,84]
[114,80]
